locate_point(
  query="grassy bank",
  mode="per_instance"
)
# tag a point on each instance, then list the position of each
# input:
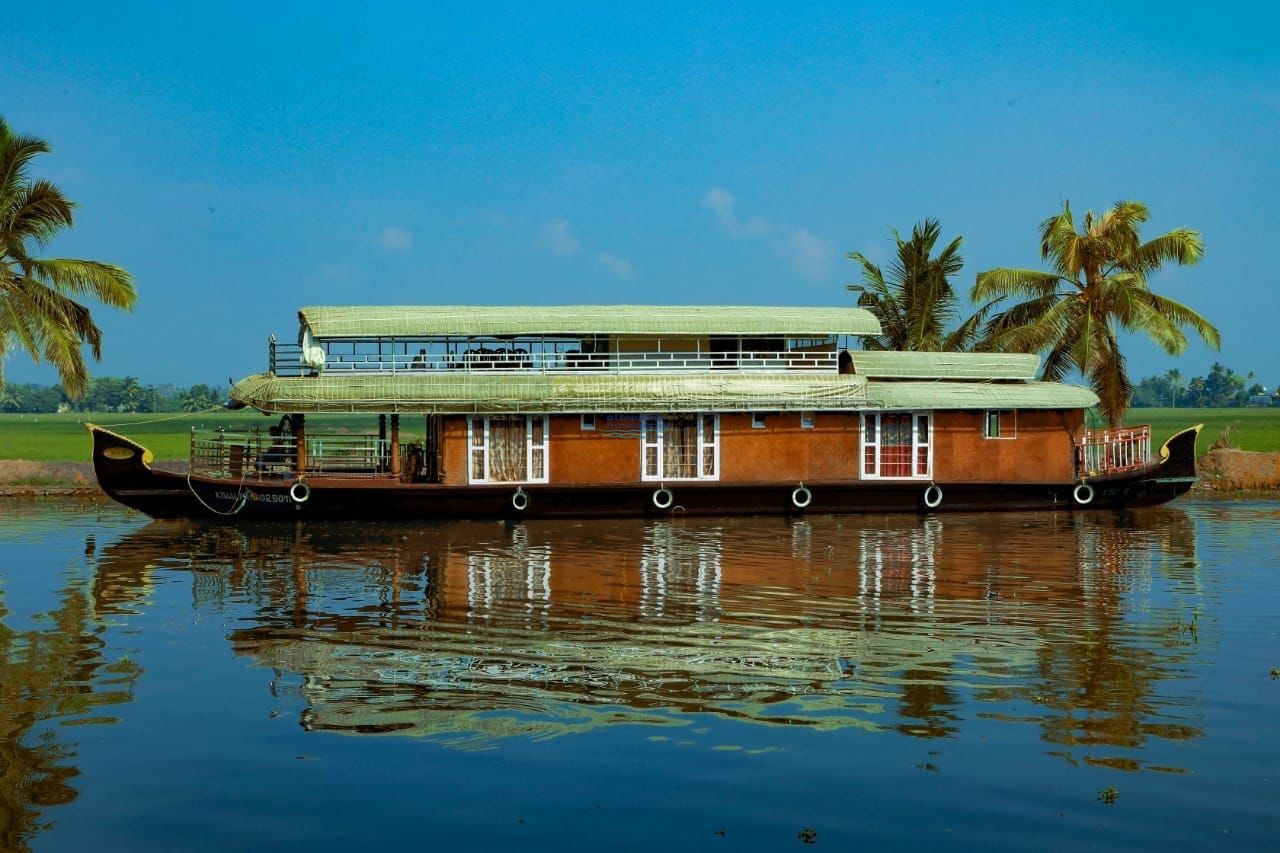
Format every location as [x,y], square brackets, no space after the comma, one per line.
[62,438]
[1252,429]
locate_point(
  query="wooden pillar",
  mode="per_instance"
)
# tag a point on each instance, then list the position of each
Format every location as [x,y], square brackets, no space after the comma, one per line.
[385,461]
[395,445]
[300,435]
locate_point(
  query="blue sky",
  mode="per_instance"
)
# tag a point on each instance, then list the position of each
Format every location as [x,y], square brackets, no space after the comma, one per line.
[243,160]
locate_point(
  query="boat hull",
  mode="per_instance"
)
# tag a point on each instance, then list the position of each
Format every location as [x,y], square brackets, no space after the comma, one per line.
[125,474]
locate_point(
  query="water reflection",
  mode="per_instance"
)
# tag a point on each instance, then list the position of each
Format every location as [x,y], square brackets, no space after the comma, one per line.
[474,632]
[52,677]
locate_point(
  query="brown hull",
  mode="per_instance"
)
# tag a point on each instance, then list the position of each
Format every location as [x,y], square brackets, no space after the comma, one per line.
[124,472]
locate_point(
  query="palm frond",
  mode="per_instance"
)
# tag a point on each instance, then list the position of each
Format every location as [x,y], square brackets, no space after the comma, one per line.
[1109,378]
[1181,246]
[1003,282]
[1180,314]
[108,283]
[38,213]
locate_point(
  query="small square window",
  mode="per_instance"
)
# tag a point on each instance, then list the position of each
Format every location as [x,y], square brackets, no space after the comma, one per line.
[806,420]
[588,421]
[757,420]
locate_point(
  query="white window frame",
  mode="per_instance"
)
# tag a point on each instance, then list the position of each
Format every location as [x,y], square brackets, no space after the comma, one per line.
[588,422]
[703,445]
[758,420]
[916,444]
[1000,435]
[530,448]
[808,419]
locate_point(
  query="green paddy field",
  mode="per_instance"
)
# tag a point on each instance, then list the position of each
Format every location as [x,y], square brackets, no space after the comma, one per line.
[62,437]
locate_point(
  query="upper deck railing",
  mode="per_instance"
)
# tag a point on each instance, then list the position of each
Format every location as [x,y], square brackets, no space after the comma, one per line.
[286,360]
[1103,452]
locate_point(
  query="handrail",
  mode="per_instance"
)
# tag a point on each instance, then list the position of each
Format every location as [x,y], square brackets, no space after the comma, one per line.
[228,454]
[1103,452]
[286,360]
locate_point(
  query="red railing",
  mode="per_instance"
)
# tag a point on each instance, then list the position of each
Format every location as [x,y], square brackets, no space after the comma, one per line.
[1113,451]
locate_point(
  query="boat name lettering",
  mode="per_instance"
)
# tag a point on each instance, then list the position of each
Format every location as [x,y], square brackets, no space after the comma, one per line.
[253,496]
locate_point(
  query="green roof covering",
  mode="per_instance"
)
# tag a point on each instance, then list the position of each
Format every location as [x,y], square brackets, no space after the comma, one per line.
[450,392]
[421,321]
[945,365]
[979,395]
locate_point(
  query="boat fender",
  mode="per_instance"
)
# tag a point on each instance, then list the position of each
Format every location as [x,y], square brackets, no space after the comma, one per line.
[520,500]
[1083,494]
[801,497]
[300,492]
[932,496]
[663,498]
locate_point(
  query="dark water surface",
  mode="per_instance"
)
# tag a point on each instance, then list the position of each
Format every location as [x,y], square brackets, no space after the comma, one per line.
[968,681]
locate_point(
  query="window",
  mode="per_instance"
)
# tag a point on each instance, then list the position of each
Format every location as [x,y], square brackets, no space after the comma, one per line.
[757,420]
[806,420]
[588,421]
[680,447]
[897,445]
[507,448]
[1000,423]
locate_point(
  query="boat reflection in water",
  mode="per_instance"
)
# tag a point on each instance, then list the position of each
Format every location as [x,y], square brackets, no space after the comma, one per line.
[474,632]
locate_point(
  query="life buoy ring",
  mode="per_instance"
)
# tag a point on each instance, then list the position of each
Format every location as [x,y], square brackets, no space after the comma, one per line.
[801,497]
[300,492]
[932,496]
[520,500]
[663,498]
[1082,494]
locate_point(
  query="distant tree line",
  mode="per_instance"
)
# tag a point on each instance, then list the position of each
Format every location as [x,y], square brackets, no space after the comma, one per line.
[111,394]
[1222,387]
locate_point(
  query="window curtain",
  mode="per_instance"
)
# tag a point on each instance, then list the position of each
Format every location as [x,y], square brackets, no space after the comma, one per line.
[507,461]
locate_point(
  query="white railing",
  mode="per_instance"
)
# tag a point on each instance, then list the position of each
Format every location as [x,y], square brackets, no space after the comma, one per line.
[254,455]
[1103,452]
[284,361]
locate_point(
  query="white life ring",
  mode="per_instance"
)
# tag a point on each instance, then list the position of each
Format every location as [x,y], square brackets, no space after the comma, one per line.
[1083,494]
[663,498]
[801,497]
[300,492]
[932,496]
[520,500]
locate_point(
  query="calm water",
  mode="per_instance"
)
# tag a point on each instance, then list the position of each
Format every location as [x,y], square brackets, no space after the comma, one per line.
[965,681]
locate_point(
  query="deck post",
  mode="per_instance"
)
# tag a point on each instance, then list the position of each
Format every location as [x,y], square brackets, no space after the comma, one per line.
[395,445]
[300,436]
[383,450]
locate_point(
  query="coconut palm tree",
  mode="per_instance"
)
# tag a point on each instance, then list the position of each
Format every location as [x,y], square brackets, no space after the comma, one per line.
[916,303]
[40,299]
[1098,288]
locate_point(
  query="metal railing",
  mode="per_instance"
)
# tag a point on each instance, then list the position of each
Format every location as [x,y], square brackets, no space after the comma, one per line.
[286,360]
[224,454]
[336,455]
[1103,452]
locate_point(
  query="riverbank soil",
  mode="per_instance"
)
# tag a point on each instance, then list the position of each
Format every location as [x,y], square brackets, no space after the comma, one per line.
[1229,470]
[21,477]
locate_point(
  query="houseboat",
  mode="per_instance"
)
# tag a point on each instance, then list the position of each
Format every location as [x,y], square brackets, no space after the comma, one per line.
[625,410]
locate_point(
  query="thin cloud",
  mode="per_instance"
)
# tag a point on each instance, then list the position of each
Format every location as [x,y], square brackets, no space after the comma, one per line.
[621,267]
[806,252]
[396,238]
[557,237]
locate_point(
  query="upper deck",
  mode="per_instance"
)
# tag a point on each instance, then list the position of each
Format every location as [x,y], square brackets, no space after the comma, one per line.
[570,339]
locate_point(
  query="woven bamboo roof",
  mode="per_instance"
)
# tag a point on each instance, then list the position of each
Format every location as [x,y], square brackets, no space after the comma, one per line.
[446,392]
[944,365]
[423,321]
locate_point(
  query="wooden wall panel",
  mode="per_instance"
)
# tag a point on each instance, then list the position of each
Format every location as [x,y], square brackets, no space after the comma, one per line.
[1041,451]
